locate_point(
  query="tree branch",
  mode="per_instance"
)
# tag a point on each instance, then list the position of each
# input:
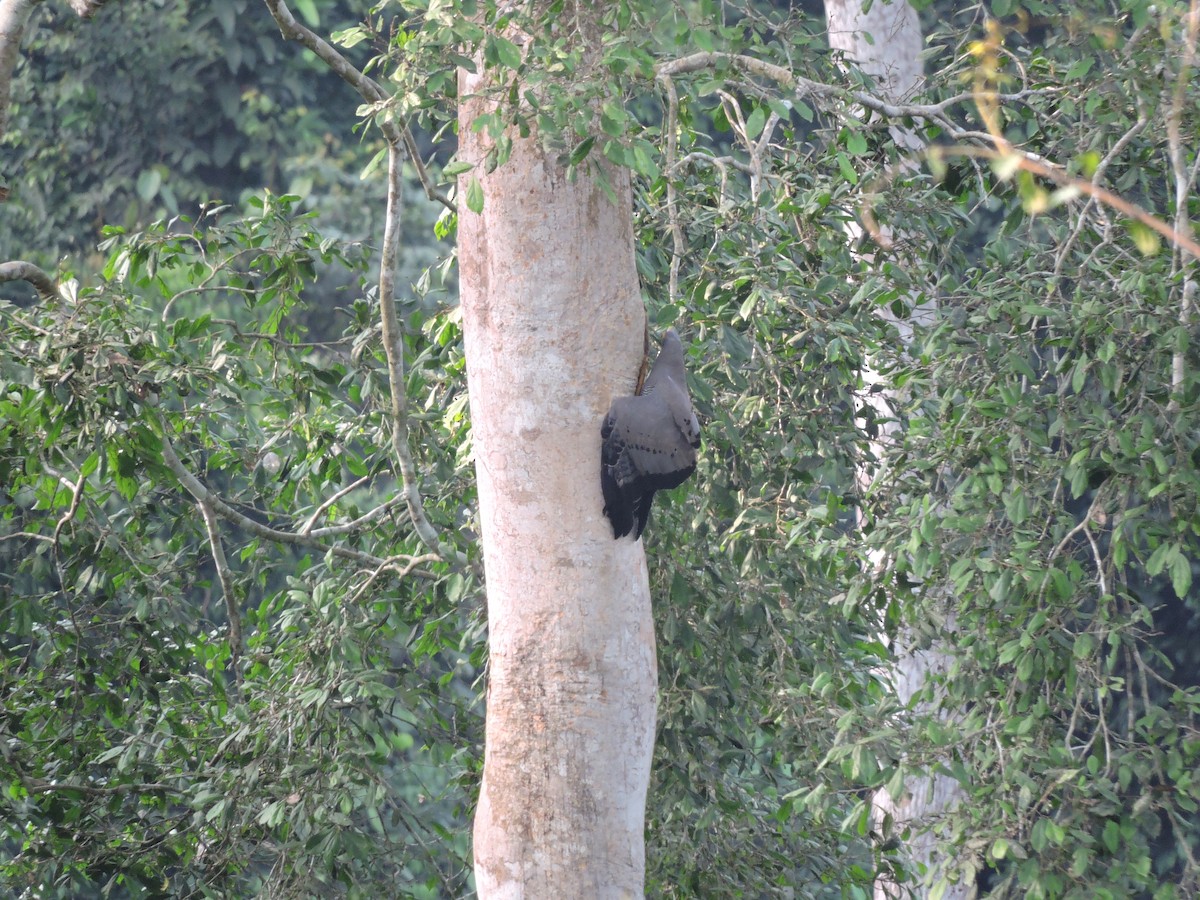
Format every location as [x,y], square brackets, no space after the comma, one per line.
[393,565]
[232,612]
[393,342]
[817,90]
[201,494]
[1178,236]
[367,88]
[678,244]
[40,786]
[393,346]
[356,524]
[1030,163]
[307,527]
[17,270]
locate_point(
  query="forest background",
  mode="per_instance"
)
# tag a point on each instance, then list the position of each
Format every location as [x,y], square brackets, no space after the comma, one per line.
[943,348]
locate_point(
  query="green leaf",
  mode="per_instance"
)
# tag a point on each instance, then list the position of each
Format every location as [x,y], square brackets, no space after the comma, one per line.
[1144,238]
[856,143]
[308,11]
[846,168]
[474,195]
[350,37]
[507,52]
[755,122]
[148,184]
[582,149]
[1181,575]
[612,118]
[1159,558]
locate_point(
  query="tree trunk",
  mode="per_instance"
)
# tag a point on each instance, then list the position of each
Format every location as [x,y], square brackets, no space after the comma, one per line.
[885,42]
[554,325]
[14,14]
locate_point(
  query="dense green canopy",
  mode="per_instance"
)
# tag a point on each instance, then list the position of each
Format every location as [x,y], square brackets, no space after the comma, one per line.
[230,665]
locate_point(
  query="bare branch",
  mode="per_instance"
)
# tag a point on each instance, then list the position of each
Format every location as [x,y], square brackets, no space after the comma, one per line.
[396,137]
[17,270]
[1116,150]
[40,786]
[367,88]
[815,90]
[55,545]
[307,527]
[26,535]
[393,565]
[201,494]
[393,346]
[1030,163]
[414,157]
[356,524]
[678,243]
[719,162]
[1187,304]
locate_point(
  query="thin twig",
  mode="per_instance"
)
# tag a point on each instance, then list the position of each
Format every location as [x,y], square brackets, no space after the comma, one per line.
[1031,163]
[27,535]
[307,527]
[232,612]
[356,524]
[396,137]
[55,546]
[1116,150]
[784,77]
[367,88]
[201,494]
[392,565]
[39,786]
[1098,559]
[1187,302]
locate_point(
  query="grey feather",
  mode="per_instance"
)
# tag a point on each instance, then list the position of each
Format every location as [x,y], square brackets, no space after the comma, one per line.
[649,442]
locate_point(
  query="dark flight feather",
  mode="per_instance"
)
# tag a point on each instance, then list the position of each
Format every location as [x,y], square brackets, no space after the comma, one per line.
[649,442]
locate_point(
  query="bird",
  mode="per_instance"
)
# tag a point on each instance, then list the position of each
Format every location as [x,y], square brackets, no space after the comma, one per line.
[649,442]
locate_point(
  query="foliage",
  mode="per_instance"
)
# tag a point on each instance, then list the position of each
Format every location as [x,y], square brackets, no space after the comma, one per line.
[1016,364]
[144,753]
[1033,435]
[151,108]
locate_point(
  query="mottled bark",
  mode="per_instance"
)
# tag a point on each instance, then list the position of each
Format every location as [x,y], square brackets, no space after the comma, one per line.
[553,325]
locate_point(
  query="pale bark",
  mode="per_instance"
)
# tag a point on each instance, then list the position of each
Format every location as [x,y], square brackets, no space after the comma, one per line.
[553,325]
[885,43]
[13,16]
